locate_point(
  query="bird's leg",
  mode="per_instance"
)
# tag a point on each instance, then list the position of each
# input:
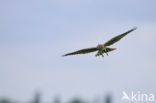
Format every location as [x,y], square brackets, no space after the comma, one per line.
[97,54]
[106,51]
[107,54]
[102,55]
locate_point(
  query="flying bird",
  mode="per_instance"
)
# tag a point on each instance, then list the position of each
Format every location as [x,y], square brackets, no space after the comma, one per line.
[102,48]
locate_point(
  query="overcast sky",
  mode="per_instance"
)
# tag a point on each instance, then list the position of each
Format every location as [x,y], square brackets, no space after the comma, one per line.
[35,33]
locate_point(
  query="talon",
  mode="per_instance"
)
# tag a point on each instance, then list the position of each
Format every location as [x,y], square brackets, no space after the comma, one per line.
[106,51]
[107,54]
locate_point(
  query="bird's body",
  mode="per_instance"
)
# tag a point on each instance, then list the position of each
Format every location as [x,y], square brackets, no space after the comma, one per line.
[102,48]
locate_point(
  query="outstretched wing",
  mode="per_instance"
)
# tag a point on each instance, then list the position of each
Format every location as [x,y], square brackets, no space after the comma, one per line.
[117,38]
[82,51]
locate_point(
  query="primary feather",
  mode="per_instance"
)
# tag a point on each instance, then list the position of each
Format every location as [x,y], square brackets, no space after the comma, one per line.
[82,51]
[117,38]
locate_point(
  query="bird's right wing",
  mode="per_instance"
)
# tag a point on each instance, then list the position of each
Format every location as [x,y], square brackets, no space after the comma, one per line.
[82,51]
[117,38]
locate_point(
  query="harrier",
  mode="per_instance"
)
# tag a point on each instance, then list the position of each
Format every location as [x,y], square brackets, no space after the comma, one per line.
[102,48]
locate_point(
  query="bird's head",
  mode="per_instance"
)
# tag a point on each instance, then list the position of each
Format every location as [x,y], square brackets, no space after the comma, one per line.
[100,46]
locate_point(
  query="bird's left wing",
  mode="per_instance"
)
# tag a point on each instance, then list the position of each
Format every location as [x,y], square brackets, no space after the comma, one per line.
[117,38]
[82,51]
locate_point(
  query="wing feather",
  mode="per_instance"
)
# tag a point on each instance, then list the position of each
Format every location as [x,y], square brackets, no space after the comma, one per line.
[82,51]
[117,38]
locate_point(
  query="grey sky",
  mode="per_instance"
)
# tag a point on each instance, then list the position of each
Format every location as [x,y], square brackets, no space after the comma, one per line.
[35,33]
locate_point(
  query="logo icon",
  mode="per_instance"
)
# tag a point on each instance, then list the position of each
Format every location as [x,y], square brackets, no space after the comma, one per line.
[125,96]
[137,97]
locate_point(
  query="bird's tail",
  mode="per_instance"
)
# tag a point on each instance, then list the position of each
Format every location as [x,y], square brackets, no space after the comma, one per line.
[105,51]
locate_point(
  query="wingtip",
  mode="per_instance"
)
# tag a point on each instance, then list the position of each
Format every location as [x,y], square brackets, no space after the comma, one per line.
[135,28]
[63,55]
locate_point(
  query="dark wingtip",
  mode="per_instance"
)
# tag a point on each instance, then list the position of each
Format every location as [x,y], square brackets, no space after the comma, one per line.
[63,55]
[135,28]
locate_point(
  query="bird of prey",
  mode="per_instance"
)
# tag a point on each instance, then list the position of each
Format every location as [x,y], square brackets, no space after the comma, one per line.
[102,48]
